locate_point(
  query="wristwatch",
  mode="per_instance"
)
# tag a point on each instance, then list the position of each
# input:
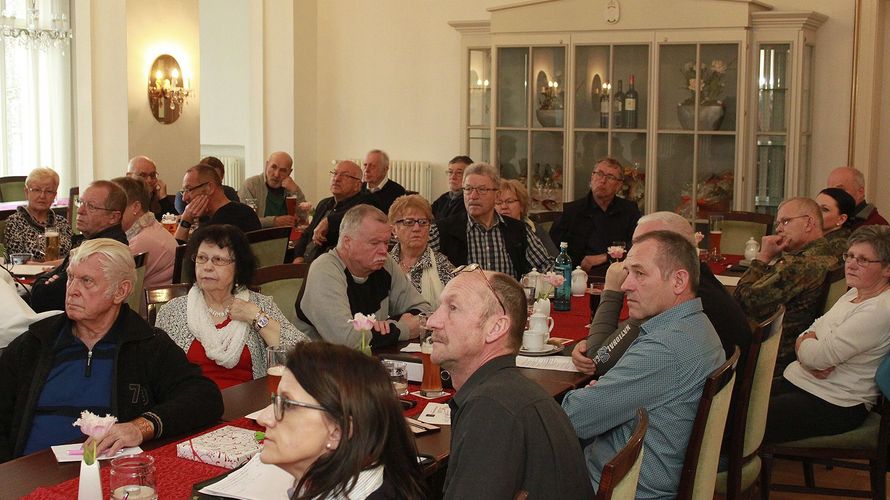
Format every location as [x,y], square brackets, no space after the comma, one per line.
[260,321]
[184,223]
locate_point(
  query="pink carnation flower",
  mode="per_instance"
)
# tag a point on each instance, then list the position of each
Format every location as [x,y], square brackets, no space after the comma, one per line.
[362,322]
[555,280]
[94,426]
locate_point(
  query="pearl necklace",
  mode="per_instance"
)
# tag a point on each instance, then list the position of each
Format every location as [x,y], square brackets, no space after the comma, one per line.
[218,314]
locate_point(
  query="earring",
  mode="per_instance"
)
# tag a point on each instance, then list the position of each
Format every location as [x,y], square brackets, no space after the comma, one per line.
[328,446]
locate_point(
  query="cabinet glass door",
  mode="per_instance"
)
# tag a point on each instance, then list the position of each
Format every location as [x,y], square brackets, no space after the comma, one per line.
[771,133]
[479,100]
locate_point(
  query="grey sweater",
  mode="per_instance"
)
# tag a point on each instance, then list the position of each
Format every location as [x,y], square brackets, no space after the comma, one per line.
[255,187]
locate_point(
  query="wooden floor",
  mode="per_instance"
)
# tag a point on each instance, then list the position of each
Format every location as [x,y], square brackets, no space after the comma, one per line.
[789,472]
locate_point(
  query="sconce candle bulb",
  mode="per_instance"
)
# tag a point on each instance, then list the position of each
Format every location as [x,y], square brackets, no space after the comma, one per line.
[165,95]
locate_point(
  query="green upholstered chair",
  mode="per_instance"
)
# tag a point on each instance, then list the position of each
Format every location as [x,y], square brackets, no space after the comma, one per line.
[620,476]
[12,188]
[739,226]
[136,295]
[269,245]
[835,286]
[283,283]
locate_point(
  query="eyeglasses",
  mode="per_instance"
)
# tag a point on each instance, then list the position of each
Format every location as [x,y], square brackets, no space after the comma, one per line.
[39,192]
[187,190]
[479,190]
[468,268]
[784,222]
[93,207]
[344,174]
[216,260]
[860,261]
[411,222]
[152,175]
[280,403]
[608,177]
[451,172]
[506,202]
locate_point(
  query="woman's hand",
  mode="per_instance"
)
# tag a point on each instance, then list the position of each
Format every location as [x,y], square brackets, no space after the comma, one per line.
[242,310]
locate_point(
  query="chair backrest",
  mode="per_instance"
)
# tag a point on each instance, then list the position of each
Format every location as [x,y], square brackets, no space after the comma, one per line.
[269,245]
[2,231]
[73,198]
[156,296]
[750,399]
[699,473]
[739,226]
[179,266]
[545,219]
[283,283]
[12,188]
[835,286]
[135,298]
[620,476]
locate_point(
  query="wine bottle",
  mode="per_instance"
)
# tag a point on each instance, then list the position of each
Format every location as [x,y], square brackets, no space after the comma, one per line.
[618,106]
[604,109]
[563,266]
[630,104]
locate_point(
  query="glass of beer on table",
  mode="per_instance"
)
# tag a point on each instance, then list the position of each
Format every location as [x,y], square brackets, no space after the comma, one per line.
[170,221]
[715,234]
[431,384]
[276,357]
[51,237]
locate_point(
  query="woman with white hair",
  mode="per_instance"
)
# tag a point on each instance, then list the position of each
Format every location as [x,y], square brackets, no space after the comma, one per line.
[25,228]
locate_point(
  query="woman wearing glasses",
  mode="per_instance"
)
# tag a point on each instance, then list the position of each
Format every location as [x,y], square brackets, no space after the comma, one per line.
[831,387]
[512,202]
[221,325]
[337,427]
[427,269]
[26,227]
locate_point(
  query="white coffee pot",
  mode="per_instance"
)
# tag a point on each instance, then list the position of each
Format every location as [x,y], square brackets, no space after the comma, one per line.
[540,323]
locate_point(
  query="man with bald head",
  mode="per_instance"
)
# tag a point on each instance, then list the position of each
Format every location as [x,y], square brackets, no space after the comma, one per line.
[346,191]
[790,269]
[144,168]
[271,188]
[853,182]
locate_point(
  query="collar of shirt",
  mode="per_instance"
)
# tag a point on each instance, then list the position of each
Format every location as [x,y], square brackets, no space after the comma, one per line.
[379,186]
[472,223]
[671,315]
[454,195]
[482,374]
[139,224]
[593,205]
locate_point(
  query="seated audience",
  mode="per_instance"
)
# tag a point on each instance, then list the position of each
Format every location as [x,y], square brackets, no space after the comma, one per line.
[790,269]
[507,434]
[663,371]
[271,188]
[99,211]
[383,190]
[221,325]
[853,182]
[99,355]
[838,211]
[204,197]
[358,276]
[146,234]
[609,339]
[324,231]
[25,228]
[831,386]
[452,201]
[483,236]
[144,167]
[337,427]
[428,270]
[512,201]
[590,224]
[220,168]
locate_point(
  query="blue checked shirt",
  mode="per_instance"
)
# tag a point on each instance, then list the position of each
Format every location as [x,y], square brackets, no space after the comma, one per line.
[486,248]
[664,371]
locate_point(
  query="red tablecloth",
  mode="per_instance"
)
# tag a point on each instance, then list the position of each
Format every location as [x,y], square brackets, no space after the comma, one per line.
[723,265]
[572,324]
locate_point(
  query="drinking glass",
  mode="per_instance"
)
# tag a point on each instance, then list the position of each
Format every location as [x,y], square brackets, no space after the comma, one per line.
[431,384]
[133,478]
[597,285]
[52,243]
[398,375]
[715,233]
[276,358]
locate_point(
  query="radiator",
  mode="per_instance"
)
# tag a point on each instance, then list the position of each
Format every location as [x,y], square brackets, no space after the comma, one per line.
[234,171]
[413,175]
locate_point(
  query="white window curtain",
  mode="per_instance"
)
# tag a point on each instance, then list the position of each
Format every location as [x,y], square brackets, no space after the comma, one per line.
[35,85]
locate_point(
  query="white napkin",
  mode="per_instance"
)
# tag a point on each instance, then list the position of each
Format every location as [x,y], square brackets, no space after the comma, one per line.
[62,455]
[559,363]
[412,347]
[436,414]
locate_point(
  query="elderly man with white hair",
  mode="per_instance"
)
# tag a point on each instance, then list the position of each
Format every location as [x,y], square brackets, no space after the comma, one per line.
[99,356]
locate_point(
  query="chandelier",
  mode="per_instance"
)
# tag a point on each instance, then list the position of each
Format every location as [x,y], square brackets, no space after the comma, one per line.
[30,33]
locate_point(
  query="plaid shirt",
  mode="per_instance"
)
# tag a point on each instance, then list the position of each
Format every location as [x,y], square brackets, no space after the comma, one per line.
[486,247]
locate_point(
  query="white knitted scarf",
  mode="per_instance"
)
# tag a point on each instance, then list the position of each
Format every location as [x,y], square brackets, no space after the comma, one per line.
[225,345]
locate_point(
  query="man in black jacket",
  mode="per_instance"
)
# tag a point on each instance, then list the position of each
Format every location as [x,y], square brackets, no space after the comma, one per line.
[452,201]
[382,189]
[102,357]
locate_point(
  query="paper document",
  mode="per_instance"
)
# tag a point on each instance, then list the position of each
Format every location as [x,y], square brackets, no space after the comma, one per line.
[728,280]
[436,414]
[74,452]
[254,481]
[412,347]
[560,363]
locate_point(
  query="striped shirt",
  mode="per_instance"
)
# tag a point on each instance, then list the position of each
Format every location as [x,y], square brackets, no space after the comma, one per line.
[486,247]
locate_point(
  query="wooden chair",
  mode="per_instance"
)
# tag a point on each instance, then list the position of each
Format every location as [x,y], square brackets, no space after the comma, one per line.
[835,286]
[545,219]
[750,400]
[12,188]
[269,245]
[156,296]
[739,226]
[283,283]
[135,298]
[179,265]
[703,451]
[620,476]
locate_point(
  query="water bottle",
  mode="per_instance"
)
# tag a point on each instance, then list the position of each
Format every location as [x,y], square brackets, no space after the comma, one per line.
[563,295]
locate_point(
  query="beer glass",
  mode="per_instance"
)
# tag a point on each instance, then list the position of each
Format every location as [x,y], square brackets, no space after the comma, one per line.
[276,357]
[431,385]
[133,478]
[53,242]
[715,234]
[398,375]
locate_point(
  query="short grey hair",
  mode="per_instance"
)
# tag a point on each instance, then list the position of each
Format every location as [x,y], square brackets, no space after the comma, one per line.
[43,174]
[486,169]
[382,154]
[878,237]
[356,216]
[808,206]
[117,262]
[673,222]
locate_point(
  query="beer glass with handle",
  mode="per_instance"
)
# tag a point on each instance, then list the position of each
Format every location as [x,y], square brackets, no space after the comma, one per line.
[276,357]
[431,385]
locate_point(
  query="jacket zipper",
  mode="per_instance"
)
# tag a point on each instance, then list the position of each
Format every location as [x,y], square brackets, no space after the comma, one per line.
[89,368]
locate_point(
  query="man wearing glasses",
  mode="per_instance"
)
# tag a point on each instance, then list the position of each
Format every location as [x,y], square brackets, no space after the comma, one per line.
[591,224]
[324,231]
[99,212]
[145,168]
[483,236]
[790,269]
[271,188]
[206,201]
[452,202]
[507,434]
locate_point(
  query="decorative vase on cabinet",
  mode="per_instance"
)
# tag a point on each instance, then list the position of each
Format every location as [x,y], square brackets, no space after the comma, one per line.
[550,117]
[709,117]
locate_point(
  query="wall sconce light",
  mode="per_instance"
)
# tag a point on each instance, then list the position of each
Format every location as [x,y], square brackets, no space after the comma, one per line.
[168,90]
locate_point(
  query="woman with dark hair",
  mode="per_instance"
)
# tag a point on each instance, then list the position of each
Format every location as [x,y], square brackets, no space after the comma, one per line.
[513,201]
[221,325]
[337,427]
[838,209]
